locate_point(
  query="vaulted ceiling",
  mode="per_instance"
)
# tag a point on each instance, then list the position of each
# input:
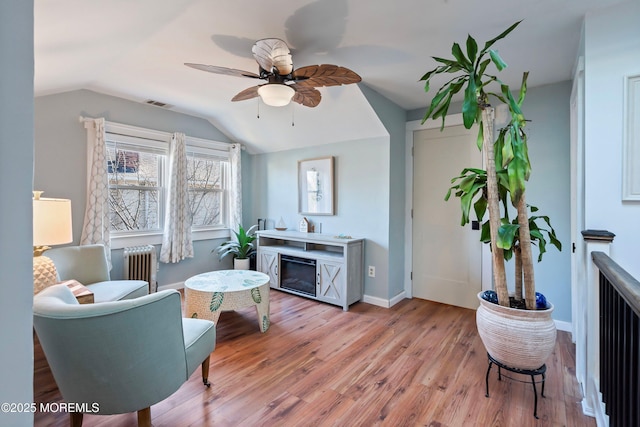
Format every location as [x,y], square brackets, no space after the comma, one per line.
[136,50]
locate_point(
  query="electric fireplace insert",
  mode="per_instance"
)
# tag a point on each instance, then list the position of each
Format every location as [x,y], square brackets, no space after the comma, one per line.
[298,274]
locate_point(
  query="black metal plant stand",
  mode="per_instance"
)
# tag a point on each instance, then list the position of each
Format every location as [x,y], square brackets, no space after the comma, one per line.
[531,372]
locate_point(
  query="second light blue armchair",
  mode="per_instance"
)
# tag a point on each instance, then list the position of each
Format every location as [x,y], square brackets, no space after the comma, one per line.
[88,265]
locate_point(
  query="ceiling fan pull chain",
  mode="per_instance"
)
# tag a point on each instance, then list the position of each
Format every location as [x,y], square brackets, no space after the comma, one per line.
[292,116]
[258,100]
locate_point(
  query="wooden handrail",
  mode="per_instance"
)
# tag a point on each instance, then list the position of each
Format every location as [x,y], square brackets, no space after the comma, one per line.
[626,285]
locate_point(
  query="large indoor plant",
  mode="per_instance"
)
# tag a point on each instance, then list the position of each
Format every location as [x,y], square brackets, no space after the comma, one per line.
[507,169]
[241,248]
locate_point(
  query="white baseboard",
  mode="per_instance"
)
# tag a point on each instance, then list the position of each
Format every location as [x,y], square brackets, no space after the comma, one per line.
[402,295]
[594,406]
[380,302]
[177,285]
[561,325]
[587,409]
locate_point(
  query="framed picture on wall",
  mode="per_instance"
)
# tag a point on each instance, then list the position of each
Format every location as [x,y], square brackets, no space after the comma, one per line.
[315,186]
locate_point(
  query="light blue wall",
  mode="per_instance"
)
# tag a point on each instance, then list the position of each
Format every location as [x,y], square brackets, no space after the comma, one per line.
[394,120]
[16,250]
[549,186]
[370,204]
[361,181]
[61,160]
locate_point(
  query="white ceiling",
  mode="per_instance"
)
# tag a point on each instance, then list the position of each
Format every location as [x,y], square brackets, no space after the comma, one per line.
[136,50]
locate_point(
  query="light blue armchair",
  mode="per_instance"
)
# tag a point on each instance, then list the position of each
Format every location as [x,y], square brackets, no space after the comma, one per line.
[121,356]
[88,265]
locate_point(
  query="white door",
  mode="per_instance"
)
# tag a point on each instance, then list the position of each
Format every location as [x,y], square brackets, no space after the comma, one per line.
[446,257]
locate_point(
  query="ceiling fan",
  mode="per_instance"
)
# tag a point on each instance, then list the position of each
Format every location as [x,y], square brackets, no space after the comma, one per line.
[283,83]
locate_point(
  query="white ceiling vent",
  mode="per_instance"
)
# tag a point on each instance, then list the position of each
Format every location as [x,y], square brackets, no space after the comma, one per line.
[158,104]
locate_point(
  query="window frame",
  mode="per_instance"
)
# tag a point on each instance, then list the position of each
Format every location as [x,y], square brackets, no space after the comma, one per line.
[221,150]
[160,141]
[124,142]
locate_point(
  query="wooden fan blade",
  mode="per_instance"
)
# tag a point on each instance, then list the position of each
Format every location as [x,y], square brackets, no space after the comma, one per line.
[325,75]
[223,70]
[273,53]
[248,93]
[306,95]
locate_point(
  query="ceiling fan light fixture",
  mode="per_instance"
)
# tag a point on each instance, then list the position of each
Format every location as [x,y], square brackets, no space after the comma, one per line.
[276,94]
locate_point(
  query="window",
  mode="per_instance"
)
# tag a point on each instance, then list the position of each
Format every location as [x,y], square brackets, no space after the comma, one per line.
[206,177]
[137,168]
[135,188]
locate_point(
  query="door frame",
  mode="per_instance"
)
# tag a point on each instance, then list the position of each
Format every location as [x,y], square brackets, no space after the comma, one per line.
[579,262]
[411,127]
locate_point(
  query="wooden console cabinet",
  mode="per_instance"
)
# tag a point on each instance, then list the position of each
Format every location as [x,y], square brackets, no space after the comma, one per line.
[339,275]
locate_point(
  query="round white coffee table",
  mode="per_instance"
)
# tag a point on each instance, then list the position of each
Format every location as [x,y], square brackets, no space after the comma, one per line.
[209,294]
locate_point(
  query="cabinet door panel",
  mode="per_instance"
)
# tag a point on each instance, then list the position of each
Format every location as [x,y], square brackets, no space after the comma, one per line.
[331,282]
[269,266]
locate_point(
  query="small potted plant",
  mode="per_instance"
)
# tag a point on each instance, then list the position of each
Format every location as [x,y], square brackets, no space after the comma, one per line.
[241,247]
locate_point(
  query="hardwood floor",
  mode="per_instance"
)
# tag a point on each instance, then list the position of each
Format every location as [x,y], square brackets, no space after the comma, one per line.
[417,363]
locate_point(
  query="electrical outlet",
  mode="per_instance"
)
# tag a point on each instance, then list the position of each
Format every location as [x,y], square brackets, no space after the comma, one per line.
[372,271]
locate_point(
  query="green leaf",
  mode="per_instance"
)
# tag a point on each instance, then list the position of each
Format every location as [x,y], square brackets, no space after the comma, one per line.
[462,60]
[480,208]
[507,150]
[446,198]
[467,183]
[470,104]
[506,235]
[465,206]
[448,62]
[502,35]
[485,232]
[216,301]
[435,102]
[483,66]
[513,105]
[472,48]
[497,148]
[480,138]
[428,75]
[497,60]
[255,295]
[523,88]
[498,97]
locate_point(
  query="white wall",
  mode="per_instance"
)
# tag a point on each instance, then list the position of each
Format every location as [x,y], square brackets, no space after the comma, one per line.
[16,180]
[612,51]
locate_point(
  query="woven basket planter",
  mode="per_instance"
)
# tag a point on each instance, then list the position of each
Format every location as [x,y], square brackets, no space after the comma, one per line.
[522,339]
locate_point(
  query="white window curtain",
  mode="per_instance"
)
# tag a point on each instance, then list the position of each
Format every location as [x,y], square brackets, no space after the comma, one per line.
[176,240]
[96,216]
[235,188]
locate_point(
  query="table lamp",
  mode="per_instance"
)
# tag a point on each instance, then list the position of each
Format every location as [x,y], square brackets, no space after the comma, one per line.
[51,226]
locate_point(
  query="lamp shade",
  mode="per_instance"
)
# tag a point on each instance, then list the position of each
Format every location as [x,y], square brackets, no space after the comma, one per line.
[51,222]
[276,94]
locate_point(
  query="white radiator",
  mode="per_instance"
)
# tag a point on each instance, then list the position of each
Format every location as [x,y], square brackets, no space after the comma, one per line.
[140,263]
